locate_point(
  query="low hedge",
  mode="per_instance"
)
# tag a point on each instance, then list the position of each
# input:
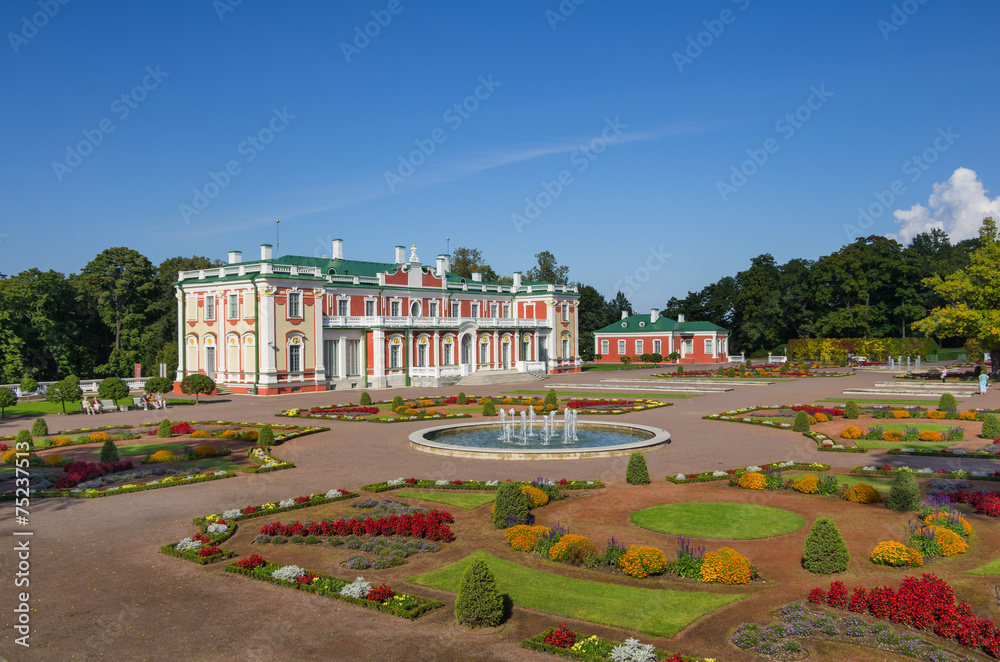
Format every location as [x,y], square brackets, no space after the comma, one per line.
[263,573]
[959,475]
[919,452]
[741,416]
[473,485]
[191,555]
[94,494]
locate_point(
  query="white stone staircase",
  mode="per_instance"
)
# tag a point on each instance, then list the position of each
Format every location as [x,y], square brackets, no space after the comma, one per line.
[487,377]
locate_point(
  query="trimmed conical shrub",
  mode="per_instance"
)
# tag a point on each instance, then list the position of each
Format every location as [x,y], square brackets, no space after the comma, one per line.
[551,398]
[109,452]
[265,438]
[489,409]
[637,473]
[991,426]
[163,431]
[479,604]
[904,495]
[825,551]
[801,423]
[397,402]
[24,438]
[39,428]
[365,399]
[510,506]
[462,400]
[851,410]
[680,368]
[948,402]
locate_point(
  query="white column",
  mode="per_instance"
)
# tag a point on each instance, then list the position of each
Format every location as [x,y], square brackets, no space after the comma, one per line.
[715,346]
[495,354]
[320,372]
[378,360]
[267,340]
[181,327]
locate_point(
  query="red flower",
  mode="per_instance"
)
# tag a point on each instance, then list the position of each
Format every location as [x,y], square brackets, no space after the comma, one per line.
[562,637]
[563,482]
[251,562]
[249,510]
[380,594]
[211,550]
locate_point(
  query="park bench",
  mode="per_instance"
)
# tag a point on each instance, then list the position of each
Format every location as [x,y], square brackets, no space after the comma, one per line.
[110,405]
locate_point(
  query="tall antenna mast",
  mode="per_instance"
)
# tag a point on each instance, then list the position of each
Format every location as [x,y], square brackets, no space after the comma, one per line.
[277,238]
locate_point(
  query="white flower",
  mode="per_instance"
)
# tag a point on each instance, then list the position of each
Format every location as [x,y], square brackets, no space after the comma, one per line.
[231,513]
[785,425]
[789,463]
[495,483]
[958,452]
[220,473]
[980,474]
[869,468]
[753,468]
[907,450]
[395,481]
[719,474]
[837,446]
[288,572]
[441,482]
[286,503]
[925,470]
[680,476]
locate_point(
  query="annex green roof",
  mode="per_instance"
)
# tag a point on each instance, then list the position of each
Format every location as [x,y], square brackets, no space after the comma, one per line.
[642,324]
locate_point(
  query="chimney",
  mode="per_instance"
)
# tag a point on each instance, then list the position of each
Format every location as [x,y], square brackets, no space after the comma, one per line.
[265,251]
[442,265]
[235,257]
[338,249]
[517,279]
[680,319]
[400,254]
[624,314]
[654,314]
[477,277]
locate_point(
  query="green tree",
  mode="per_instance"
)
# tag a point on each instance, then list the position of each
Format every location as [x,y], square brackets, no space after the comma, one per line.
[265,437]
[758,308]
[28,385]
[947,402]
[109,452]
[637,473]
[162,311]
[801,422]
[825,551]
[510,506]
[8,398]
[479,603]
[851,410]
[123,281]
[365,399]
[113,388]
[971,298]
[158,385]
[163,430]
[39,427]
[462,399]
[591,316]
[464,261]
[489,409]
[65,390]
[24,440]
[551,398]
[904,495]
[991,427]
[548,270]
[616,306]
[198,385]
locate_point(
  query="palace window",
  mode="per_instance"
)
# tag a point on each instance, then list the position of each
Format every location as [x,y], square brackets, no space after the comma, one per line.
[475,310]
[421,355]
[353,357]
[295,304]
[565,347]
[506,310]
[455,309]
[432,309]
[565,312]
[394,356]
[369,308]
[484,352]
[295,358]
[394,308]
[234,306]
[493,310]
[447,354]
[342,307]
[330,358]
[209,307]
[415,309]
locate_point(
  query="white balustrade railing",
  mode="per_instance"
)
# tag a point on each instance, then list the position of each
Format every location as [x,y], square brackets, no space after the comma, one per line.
[433,322]
[86,385]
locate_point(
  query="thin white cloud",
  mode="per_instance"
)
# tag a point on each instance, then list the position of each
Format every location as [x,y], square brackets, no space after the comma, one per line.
[957,206]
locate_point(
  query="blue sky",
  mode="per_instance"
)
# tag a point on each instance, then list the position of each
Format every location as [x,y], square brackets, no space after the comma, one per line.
[609,117]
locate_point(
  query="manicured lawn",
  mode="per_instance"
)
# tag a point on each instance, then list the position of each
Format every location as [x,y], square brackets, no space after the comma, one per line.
[722,520]
[464,500]
[880,483]
[607,396]
[657,612]
[37,408]
[926,445]
[991,569]
[882,401]
[902,423]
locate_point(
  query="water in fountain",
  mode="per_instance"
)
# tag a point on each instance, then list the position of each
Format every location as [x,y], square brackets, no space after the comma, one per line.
[503,417]
[531,418]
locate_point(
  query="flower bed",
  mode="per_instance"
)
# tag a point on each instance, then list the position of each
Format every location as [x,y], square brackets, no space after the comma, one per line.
[489,485]
[823,442]
[388,602]
[614,406]
[946,452]
[169,481]
[432,526]
[415,409]
[927,472]
[202,548]
[720,474]
[265,461]
[593,648]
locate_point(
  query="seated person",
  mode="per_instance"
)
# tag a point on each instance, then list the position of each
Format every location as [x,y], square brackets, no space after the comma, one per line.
[160,402]
[87,407]
[145,401]
[96,406]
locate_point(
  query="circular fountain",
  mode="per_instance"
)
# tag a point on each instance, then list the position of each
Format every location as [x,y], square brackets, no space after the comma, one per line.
[528,437]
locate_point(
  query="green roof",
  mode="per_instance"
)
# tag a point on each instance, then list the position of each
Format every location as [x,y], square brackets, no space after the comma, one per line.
[642,324]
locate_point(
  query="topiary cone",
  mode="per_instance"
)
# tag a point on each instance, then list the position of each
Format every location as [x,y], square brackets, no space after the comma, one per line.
[479,604]
[825,551]
[637,473]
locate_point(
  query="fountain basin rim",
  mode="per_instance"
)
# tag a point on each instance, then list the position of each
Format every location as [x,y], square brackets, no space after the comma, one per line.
[419,442]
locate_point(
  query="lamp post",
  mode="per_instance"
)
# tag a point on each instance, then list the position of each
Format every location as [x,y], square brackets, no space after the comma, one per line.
[277,238]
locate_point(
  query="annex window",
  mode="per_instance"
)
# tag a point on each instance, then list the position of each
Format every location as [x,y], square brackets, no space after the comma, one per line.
[621,346]
[708,345]
[295,358]
[638,347]
[565,312]
[604,347]
[656,347]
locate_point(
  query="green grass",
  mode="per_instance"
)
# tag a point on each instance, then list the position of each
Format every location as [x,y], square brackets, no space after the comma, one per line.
[991,569]
[35,408]
[661,613]
[604,367]
[145,449]
[881,483]
[722,520]
[926,445]
[464,500]
[606,396]
[902,423]
[882,401]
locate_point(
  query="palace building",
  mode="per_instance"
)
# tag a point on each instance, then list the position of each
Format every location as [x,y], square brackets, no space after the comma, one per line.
[296,323]
[634,335]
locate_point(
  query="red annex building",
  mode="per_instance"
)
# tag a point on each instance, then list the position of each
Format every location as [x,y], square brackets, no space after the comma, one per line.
[634,335]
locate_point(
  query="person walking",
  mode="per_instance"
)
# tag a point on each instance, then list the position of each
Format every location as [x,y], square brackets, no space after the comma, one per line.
[984,379]
[944,374]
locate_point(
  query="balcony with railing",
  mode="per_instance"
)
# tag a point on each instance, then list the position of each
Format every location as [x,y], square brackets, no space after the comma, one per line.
[357,322]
